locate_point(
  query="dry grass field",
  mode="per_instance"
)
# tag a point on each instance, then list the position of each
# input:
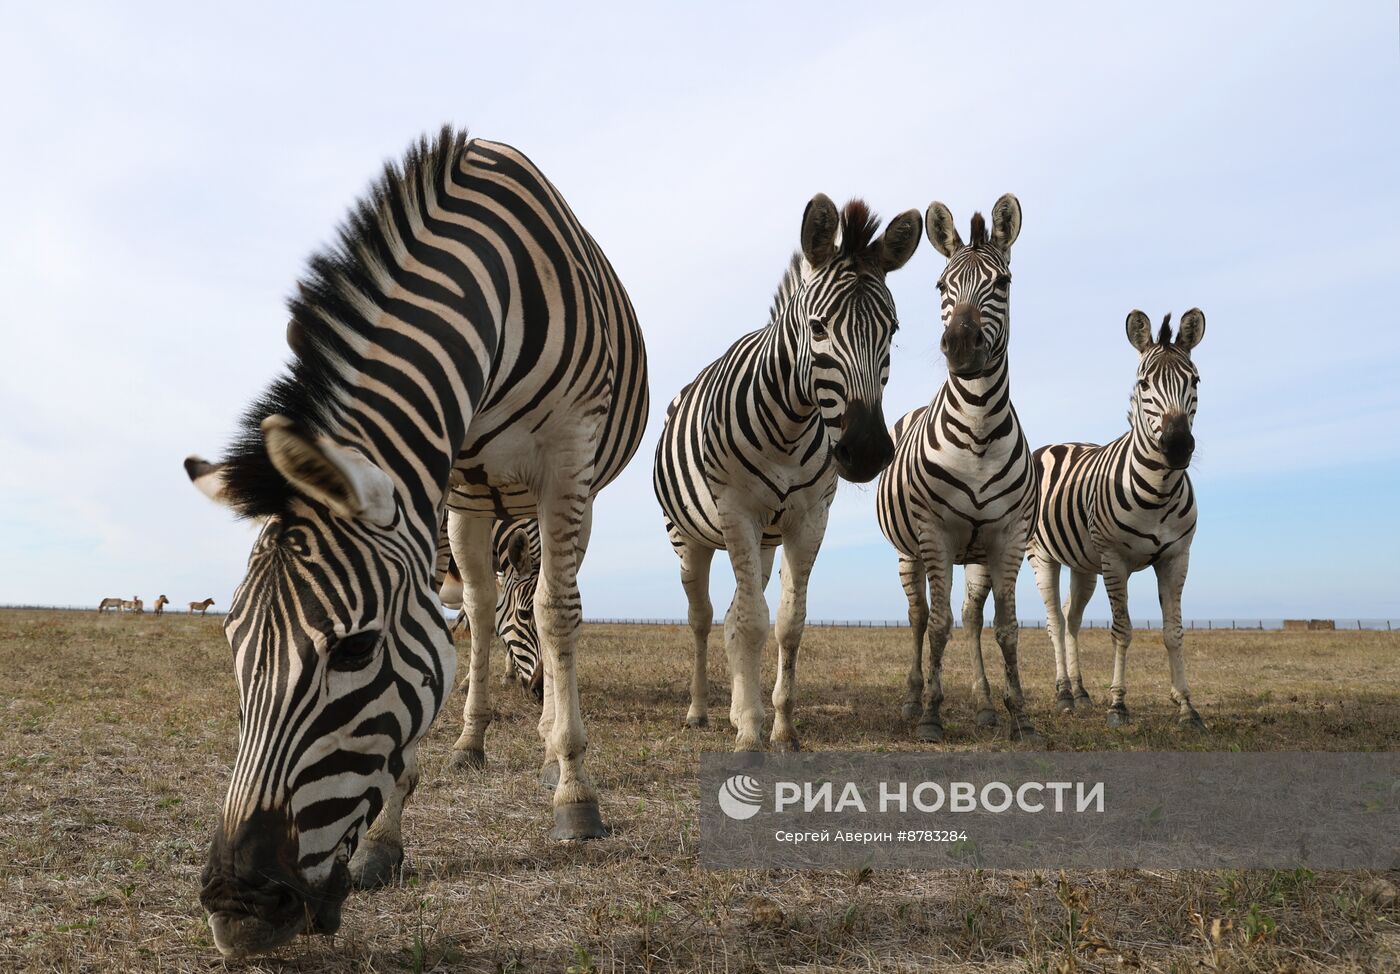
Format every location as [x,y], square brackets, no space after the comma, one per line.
[118,733]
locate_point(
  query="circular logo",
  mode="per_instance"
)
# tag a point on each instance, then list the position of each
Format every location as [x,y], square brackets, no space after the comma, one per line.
[740,797]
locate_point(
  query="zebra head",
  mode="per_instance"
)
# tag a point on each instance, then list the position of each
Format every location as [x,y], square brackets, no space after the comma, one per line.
[341,657]
[515,614]
[975,286]
[849,319]
[1163,407]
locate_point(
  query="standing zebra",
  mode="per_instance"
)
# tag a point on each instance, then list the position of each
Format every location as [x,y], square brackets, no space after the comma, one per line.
[961,490]
[465,329]
[751,450]
[1116,509]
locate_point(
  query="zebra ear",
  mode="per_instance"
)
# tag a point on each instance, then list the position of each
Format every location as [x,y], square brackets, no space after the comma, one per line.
[518,554]
[208,478]
[1191,330]
[900,240]
[819,225]
[1139,330]
[342,478]
[938,221]
[1006,222]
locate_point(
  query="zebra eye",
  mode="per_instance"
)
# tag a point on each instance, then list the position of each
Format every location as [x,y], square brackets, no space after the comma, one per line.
[1003,280]
[818,329]
[1142,384]
[1195,381]
[354,651]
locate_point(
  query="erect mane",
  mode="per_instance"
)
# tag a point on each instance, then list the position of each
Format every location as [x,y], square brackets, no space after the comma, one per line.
[978,236]
[787,287]
[330,325]
[1164,337]
[858,226]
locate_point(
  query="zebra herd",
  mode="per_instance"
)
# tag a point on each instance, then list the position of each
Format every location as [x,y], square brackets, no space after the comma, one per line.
[467,374]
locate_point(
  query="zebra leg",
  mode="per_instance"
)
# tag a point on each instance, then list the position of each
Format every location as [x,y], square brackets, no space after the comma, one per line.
[745,631]
[695,577]
[911,576]
[1047,579]
[564,517]
[549,770]
[978,584]
[1081,589]
[380,852]
[800,547]
[1171,579]
[940,583]
[1003,567]
[1115,579]
[471,550]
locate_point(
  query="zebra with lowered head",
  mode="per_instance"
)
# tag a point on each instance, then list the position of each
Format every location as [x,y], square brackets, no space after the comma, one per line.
[1116,509]
[751,450]
[961,490]
[465,330]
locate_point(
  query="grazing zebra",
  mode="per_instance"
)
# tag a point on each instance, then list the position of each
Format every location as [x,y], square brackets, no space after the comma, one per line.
[751,450]
[161,603]
[201,607]
[961,489]
[465,332]
[516,547]
[1114,510]
[115,604]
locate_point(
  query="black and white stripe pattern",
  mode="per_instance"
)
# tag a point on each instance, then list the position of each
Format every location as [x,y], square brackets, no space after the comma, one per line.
[1116,509]
[465,328]
[961,490]
[751,450]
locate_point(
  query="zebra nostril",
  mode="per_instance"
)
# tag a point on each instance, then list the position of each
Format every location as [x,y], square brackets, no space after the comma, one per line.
[842,453]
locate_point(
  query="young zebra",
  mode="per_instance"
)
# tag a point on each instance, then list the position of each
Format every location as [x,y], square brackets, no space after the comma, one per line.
[201,607]
[466,329]
[961,489]
[751,450]
[1116,509]
[161,603]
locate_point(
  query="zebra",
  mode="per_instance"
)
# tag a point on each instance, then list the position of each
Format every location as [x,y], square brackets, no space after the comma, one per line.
[114,603]
[465,332]
[1114,510]
[961,489]
[750,452]
[161,603]
[516,547]
[201,607]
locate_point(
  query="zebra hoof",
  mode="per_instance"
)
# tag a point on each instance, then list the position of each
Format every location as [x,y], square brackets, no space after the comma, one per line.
[932,732]
[987,717]
[1192,722]
[1118,717]
[467,758]
[912,711]
[549,775]
[1082,699]
[1065,701]
[786,747]
[375,863]
[578,822]
[697,723]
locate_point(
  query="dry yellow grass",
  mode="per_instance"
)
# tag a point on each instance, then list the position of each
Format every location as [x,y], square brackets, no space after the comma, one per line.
[118,733]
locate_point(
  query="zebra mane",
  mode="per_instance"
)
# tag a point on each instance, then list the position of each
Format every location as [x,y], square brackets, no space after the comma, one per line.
[858,226]
[787,287]
[331,321]
[978,236]
[1164,337]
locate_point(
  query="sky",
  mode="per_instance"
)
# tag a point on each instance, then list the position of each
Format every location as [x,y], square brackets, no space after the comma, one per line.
[171,168]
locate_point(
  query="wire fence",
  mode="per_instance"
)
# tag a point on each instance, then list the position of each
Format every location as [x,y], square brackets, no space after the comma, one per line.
[1373,624]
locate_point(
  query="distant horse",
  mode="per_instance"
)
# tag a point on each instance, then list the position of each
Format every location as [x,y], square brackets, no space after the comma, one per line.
[201,607]
[129,605]
[137,605]
[161,603]
[113,604]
